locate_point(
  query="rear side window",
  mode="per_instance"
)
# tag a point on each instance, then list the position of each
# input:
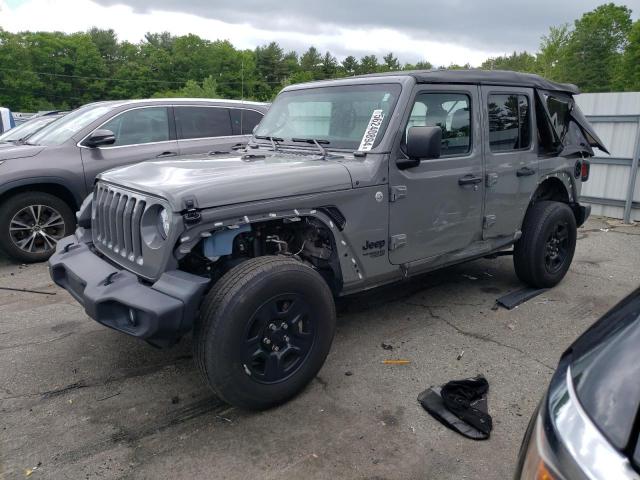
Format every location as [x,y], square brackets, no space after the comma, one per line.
[509,122]
[202,122]
[244,121]
[139,126]
[559,112]
[450,112]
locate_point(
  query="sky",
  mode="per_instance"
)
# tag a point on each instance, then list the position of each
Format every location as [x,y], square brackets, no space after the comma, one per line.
[442,32]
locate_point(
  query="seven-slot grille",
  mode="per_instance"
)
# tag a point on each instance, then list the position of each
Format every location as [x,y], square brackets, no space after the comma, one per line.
[116,222]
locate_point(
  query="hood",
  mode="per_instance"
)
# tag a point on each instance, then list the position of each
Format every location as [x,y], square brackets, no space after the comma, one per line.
[9,151]
[228,180]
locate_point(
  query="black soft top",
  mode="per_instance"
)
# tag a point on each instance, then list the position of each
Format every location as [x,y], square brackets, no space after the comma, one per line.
[483,77]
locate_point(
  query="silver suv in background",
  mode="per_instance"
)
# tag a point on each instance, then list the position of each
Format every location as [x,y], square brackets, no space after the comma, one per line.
[27,128]
[43,180]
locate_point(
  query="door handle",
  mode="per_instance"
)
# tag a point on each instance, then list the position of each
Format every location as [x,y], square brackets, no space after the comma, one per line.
[525,172]
[469,180]
[167,154]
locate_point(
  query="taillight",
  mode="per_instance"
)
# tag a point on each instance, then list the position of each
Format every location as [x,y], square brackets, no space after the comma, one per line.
[584,171]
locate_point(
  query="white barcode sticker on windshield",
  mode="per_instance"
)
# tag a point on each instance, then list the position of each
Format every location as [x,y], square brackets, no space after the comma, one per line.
[372,130]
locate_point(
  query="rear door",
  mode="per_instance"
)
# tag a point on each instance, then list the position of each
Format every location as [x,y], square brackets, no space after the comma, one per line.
[511,157]
[436,206]
[202,129]
[142,133]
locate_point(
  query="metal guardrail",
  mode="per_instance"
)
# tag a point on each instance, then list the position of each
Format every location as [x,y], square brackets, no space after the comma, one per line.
[632,162]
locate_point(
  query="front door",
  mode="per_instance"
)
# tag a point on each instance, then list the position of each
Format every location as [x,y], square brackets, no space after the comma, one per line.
[510,157]
[436,206]
[144,133]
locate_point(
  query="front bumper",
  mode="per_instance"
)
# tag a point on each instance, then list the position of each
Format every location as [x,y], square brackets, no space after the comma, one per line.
[159,313]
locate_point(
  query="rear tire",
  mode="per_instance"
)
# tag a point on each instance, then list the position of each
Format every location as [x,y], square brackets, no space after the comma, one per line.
[544,253]
[31,223]
[264,331]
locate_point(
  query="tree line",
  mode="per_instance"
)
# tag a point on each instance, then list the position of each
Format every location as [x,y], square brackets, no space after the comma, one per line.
[53,70]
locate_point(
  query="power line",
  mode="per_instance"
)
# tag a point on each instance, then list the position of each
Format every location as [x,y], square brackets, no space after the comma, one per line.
[111,79]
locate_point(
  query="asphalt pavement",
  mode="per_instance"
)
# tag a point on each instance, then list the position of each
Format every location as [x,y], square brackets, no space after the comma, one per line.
[78,400]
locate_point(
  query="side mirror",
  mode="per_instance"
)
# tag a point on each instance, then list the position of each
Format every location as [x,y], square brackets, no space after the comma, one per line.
[423,143]
[99,138]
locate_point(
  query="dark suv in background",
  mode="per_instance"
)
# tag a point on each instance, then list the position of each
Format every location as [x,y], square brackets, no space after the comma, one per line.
[44,180]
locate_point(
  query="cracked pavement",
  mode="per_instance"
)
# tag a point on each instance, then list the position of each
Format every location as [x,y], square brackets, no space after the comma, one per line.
[78,400]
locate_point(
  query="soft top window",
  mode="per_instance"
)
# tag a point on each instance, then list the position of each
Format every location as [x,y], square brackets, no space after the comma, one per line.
[559,107]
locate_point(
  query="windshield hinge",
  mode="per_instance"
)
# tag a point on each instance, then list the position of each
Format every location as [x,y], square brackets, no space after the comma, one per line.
[191,214]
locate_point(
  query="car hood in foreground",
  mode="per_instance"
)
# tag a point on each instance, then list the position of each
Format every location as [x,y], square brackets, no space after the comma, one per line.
[214,181]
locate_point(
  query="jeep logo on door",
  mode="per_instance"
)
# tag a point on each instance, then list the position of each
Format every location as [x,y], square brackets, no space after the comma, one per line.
[374,249]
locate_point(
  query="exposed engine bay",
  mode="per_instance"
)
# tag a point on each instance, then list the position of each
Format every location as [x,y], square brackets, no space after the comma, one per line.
[306,238]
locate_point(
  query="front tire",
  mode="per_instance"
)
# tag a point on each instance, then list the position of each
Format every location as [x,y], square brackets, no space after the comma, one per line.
[264,331]
[544,253]
[31,223]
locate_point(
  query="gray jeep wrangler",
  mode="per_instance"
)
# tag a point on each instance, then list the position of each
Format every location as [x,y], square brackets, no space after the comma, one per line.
[346,185]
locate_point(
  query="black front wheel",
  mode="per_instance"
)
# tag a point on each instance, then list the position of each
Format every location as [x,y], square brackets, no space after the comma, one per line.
[544,253]
[264,331]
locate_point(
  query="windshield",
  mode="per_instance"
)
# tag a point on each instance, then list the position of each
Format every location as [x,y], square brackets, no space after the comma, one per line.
[26,129]
[59,132]
[350,117]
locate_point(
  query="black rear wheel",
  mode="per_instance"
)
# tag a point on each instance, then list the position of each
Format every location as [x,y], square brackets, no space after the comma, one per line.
[264,331]
[544,253]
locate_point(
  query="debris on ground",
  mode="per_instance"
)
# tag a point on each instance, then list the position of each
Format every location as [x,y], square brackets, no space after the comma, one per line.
[348,373]
[470,277]
[461,405]
[26,290]
[29,471]
[460,355]
[396,362]
[386,346]
[175,400]
[513,299]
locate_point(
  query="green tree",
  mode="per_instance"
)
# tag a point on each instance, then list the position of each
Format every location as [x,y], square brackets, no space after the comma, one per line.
[594,50]
[192,89]
[369,64]
[520,62]
[350,65]
[629,73]
[391,63]
[550,59]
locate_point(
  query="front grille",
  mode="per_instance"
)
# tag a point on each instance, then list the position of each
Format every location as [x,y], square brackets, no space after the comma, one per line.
[117,216]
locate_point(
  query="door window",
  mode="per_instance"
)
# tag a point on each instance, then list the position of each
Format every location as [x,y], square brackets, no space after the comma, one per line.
[140,125]
[244,121]
[450,112]
[509,122]
[202,122]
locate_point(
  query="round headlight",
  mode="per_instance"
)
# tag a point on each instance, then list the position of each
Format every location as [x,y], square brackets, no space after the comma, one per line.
[164,222]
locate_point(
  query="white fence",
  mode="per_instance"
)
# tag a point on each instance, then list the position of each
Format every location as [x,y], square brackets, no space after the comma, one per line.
[613,189]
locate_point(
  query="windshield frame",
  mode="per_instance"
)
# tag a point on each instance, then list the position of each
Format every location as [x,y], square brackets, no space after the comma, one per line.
[395,88]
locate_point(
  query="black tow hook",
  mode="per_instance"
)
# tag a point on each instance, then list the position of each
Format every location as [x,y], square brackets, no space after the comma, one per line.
[109,279]
[70,246]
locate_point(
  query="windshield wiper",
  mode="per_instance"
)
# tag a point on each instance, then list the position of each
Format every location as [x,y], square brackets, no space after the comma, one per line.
[273,140]
[317,143]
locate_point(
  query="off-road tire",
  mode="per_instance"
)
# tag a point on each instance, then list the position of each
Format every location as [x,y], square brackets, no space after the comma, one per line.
[531,255]
[231,308]
[17,203]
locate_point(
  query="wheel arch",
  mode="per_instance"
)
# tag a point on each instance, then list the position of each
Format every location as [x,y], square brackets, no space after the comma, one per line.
[558,187]
[343,260]
[51,185]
